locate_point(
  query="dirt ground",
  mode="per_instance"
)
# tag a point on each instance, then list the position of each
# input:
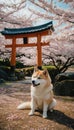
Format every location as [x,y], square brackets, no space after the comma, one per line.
[12,94]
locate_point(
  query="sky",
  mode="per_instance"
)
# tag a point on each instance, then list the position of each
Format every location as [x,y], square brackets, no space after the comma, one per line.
[61,4]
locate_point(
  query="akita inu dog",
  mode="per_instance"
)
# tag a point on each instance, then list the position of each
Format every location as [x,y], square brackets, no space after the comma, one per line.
[41,93]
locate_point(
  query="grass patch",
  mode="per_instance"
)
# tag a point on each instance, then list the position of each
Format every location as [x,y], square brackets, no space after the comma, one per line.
[48,67]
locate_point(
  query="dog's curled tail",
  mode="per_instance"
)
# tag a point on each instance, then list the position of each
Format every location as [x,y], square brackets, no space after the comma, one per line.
[25,105]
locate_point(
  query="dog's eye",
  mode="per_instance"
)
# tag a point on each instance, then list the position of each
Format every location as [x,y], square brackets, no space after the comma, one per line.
[39,77]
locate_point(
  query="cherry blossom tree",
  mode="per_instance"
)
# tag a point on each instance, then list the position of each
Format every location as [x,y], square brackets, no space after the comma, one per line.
[21,13]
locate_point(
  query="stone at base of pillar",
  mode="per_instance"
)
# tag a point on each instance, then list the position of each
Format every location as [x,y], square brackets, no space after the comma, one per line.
[12,76]
[40,67]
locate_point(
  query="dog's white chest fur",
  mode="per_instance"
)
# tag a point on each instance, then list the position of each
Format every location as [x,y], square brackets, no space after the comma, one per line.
[39,95]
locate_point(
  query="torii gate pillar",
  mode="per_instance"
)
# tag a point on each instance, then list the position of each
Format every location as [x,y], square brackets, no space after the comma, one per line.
[39,52]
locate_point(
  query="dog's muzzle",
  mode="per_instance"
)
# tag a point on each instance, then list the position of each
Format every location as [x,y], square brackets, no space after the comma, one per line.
[34,83]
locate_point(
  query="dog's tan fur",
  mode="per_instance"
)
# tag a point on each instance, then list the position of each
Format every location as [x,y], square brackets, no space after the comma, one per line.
[41,93]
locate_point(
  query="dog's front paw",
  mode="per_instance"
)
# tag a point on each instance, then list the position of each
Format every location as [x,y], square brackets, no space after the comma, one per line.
[31,113]
[44,115]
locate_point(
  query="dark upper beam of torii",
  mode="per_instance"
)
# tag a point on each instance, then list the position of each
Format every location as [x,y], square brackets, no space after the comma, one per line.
[27,32]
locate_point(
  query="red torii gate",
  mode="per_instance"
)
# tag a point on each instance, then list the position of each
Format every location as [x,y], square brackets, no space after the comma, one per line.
[26,33]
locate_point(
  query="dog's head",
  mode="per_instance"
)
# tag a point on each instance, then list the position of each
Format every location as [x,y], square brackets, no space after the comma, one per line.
[40,77]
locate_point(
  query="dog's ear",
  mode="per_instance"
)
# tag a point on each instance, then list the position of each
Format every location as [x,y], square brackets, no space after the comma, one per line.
[45,72]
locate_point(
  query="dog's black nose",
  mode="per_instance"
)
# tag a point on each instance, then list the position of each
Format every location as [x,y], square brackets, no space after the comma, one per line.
[33,82]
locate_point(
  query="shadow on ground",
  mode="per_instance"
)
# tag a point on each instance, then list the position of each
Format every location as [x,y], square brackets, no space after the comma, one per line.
[61,118]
